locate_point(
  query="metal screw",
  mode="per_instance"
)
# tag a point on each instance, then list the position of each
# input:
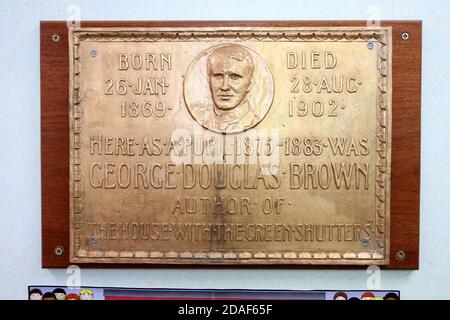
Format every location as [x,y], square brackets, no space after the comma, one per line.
[94,241]
[93,53]
[56,37]
[59,250]
[370,45]
[405,36]
[400,255]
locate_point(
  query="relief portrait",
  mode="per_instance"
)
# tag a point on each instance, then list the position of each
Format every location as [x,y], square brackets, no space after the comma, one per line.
[228,88]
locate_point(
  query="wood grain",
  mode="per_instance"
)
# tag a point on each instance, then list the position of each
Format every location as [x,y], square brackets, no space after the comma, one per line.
[405,183]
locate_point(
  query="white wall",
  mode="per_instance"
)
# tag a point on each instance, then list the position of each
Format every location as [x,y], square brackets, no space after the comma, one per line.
[20,193]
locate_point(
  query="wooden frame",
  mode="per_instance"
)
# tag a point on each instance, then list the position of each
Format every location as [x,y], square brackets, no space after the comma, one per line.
[405,180]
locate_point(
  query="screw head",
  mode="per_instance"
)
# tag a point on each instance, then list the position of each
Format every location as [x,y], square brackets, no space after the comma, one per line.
[56,37]
[400,255]
[370,45]
[94,240]
[405,36]
[59,251]
[93,53]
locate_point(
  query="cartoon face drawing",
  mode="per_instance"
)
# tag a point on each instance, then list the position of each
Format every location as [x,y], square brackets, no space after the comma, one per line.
[35,294]
[59,293]
[86,294]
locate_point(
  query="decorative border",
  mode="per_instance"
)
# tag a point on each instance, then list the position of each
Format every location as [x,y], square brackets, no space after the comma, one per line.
[382,36]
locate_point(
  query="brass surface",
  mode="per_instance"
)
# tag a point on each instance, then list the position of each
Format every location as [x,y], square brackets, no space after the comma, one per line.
[230,145]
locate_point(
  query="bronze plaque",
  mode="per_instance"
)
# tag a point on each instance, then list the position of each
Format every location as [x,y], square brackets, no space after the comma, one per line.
[230,145]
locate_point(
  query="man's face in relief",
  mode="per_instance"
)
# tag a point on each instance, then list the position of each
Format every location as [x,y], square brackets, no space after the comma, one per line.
[230,70]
